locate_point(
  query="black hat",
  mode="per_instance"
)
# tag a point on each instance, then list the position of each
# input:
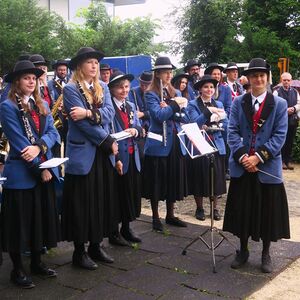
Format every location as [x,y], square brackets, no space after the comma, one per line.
[162,63]
[190,63]
[231,66]
[205,78]
[146,77]
[23,67]
[257,65]
[179,77]
[38,60]
[60,62]
[105,67]
[84,53]
[117,76]
[24,56]
[213,66]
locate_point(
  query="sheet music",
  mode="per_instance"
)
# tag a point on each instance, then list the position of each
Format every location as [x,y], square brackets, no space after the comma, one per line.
[122,135]
[155,136]
[195,136]
[53,162]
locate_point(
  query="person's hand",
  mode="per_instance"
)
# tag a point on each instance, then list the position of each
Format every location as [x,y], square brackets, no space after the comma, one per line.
[78,113]
[215,110]
[132,131]
[46,175]
[119,167]
[215,118]
[163,104]
[140,114]
[114,148]
[29,153]
[181,101]
[290,110]
[250,162]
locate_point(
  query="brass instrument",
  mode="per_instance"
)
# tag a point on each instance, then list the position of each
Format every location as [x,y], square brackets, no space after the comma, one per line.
[55,109]
[4,147]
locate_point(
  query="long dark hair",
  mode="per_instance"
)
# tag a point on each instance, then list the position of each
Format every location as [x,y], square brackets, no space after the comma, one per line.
[156,88]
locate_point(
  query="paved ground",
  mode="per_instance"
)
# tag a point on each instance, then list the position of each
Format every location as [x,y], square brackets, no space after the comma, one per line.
[157,269]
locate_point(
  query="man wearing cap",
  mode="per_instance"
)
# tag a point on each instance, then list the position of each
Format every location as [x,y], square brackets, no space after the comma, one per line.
[257,203]
[232,74]
[40,63]
[193,69]
[105,72]
[60,79]
[293,101]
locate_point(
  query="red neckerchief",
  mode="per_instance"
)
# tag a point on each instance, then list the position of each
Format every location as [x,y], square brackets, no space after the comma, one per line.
[255,119]
[125,120]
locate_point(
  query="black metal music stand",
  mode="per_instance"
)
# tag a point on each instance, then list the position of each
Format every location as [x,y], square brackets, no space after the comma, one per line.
[212,229]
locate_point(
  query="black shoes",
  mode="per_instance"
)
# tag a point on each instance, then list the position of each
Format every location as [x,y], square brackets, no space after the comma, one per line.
[199,214]
[117,239]
[175,222]
[99,254]
[157,225]
[240,259]
[130,236]
[82,260]
[217,216]
[42,269]
[21,279]
[266,263]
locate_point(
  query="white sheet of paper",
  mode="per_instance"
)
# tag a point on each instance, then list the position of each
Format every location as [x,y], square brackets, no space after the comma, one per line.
[155,136]
[53,162]
[122,135]
[2,179]
[195,136]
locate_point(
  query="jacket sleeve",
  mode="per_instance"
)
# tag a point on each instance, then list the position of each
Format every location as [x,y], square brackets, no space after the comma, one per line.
[107,111]
[195,115]
[95,134]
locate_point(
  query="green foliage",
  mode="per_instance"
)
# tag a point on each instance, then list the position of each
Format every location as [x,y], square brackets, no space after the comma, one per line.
[296,147]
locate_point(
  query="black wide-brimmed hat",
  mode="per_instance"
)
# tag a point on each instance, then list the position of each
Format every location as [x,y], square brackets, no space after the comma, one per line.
[190,63]
[257,65]
[105,67]
[38,60]
[117,76]
[179,77]
[146,77]
[163,63]
[231,66]
[213,66]
[23,67]
[205,79]
[60,62]
[84,53]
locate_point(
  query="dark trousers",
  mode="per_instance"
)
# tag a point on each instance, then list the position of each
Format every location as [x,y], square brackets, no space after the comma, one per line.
[286,150]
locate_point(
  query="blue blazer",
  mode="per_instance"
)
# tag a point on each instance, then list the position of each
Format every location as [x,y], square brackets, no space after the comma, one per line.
[123,144]
[157,116]
[225,97]
[269,138]
[21,174]
[191,91]
[84,136]
[137,98]
[200,114]
[53,88]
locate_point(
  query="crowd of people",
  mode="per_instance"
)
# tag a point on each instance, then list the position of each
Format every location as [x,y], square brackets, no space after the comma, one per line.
[122,145]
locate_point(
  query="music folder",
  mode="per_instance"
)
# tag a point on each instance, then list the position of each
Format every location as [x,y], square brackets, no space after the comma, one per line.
[53,162]
[121,135]
[196,139]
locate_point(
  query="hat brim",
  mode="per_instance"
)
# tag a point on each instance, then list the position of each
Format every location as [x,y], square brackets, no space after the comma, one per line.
[163,67]
[54,66]
[255,69]
[179,77]
[10,77]
[231,68]
[186,68]
[77,59]
[200,83]
[129,77]
[208,70]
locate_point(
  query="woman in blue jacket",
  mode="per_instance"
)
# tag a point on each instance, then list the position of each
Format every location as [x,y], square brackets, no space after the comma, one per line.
[164,175]
[88,104]
[29,214]
[207,112]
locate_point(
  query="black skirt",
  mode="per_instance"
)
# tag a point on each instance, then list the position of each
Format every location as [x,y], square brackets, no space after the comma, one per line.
[29,219]
[83,204]
[129,193]
[199,176]
[165,178]
[256,209]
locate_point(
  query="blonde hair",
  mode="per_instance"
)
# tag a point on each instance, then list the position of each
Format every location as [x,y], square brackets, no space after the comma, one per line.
[15,89]
[78,76]
[156,88]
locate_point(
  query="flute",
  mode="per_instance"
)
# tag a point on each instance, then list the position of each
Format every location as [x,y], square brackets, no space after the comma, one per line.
[164,122]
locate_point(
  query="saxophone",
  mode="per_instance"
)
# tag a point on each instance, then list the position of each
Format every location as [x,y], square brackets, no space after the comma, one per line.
[4,146]
[56,107]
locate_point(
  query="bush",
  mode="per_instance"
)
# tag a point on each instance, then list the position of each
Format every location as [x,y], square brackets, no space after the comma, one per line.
[296,147]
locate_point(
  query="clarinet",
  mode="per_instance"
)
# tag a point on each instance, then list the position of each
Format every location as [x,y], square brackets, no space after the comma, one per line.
[25,121]
[164,122]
